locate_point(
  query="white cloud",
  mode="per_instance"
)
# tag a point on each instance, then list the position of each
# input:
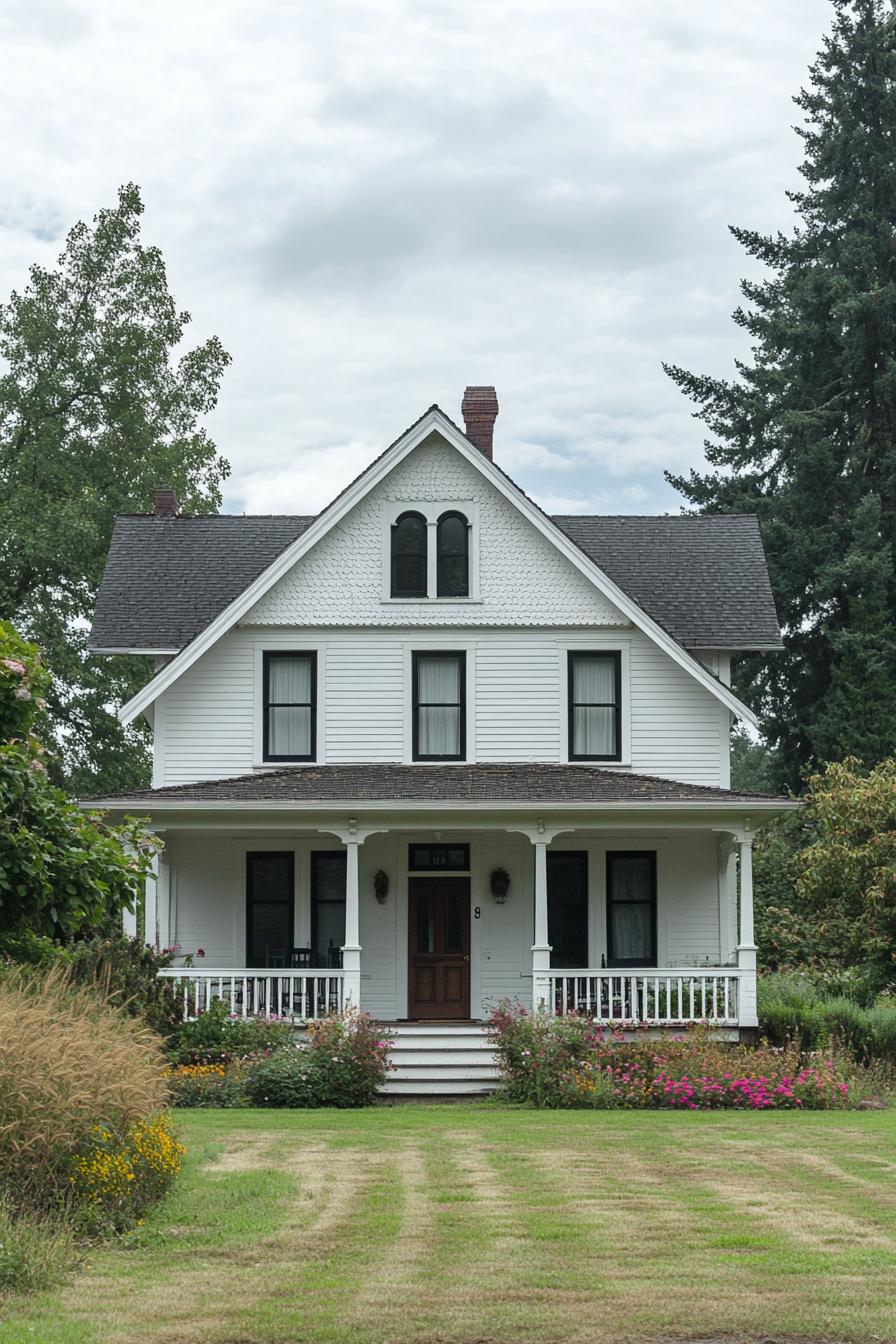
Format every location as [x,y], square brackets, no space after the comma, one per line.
[374,202]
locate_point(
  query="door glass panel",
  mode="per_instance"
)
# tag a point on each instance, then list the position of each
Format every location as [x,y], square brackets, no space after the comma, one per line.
[426,921]
[454,926]
[568,908]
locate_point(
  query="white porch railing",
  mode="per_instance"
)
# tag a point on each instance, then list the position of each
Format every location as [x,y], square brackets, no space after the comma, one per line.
[673,996]
[299,996]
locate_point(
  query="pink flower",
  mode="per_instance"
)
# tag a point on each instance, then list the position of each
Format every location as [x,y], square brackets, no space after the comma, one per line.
[14,666]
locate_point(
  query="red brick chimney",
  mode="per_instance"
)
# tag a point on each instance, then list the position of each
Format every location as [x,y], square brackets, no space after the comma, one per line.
[479,409]
[165,503]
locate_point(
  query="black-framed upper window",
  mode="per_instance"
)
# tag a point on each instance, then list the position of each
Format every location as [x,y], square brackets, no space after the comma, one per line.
[595,706]
[439,708]
[452,556]
[409,563]
[631,907]
[290,706]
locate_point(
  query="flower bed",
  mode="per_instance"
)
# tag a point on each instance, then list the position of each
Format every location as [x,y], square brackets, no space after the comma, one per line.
[215,1086]
[572,1062]
[120,1175]
[344,1064]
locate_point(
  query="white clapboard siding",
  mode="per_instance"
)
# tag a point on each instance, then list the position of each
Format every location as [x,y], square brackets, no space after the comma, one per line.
[517,709]
[206,722]
[368,726]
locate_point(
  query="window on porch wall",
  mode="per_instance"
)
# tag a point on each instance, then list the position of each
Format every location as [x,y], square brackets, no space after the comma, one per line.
[327,907]
[568,907]
[631,908]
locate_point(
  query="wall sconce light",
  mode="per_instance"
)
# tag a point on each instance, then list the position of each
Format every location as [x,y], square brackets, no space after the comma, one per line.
[381,886]
[499,883]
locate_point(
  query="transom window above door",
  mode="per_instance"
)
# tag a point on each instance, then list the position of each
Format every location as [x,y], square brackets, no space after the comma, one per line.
[432,550]
[290,706]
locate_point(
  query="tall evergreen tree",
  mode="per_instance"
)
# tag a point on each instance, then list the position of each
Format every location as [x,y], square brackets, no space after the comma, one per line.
[97,406]
[805,436]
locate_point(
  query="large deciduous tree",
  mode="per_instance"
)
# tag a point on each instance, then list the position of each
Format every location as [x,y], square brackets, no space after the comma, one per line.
[97,406]
[62,872]
[805,436]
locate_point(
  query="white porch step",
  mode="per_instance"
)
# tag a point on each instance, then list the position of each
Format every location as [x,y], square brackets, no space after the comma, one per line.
[433,1060]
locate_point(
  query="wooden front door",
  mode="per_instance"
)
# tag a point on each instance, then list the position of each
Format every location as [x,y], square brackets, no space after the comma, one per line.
[439,947]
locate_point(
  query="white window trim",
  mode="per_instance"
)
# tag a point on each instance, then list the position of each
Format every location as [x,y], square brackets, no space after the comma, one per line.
[432,511]
[259,649]
[438,642]
[598,644]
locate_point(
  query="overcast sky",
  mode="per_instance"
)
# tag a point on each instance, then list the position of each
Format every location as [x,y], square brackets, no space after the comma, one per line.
[373,204]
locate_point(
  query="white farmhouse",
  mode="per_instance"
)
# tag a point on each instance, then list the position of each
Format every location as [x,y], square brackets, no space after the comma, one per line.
[433,748]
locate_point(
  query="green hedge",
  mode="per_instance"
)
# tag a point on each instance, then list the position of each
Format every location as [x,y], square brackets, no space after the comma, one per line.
[794,1007]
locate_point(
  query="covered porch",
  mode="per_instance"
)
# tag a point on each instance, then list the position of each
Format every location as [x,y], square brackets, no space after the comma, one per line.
[635,913]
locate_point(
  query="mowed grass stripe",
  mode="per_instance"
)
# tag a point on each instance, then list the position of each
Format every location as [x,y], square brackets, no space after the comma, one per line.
[453,1224]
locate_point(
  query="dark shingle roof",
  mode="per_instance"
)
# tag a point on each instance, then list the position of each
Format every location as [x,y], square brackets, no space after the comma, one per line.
[167,578]
[441,783]
[703,579]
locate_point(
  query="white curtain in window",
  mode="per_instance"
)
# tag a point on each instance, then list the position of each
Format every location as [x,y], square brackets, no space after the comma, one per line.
[438,697]
[289,681]
[594,731]
[594,680]
[289,731]
[632,932]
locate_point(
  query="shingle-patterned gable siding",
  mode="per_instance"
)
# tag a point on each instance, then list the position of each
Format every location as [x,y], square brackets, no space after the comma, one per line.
[524,580]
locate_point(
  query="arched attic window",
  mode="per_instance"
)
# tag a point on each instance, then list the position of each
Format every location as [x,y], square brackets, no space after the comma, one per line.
[453,556]
[409,556]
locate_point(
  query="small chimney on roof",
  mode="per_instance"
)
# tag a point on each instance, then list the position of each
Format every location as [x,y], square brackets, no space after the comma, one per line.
[479,409]
[165,503]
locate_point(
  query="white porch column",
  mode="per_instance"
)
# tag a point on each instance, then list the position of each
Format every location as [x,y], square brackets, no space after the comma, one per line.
[353,838]
[746,947]
[541,948]
[150,905]
[541,837]
[351,948]
[163,902]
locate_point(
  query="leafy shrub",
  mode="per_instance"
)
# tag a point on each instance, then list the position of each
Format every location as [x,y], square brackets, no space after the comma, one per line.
[215,1037]
[61,869]
[794,1007]
[571,1061]
[69,1063]
[344,1064]
[35,1253]
[213,1086]
[119,1176]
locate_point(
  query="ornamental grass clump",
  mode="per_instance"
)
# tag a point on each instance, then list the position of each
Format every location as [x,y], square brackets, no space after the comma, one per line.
[70,1065]
[573,1062]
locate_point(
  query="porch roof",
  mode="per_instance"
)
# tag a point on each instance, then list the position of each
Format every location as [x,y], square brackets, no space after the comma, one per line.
[423,785]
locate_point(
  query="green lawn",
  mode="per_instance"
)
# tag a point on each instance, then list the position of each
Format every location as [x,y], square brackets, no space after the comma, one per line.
[476,1223]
